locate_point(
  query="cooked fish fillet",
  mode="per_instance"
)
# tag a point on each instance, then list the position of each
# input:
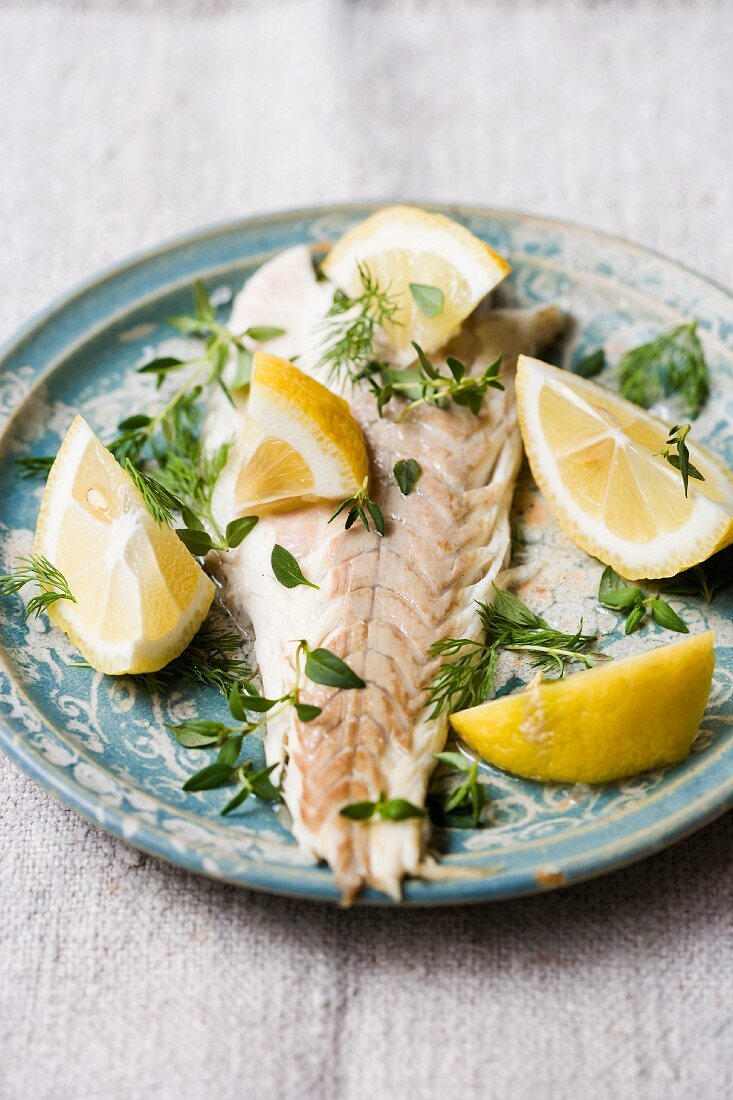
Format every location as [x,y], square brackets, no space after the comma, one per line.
[382,601]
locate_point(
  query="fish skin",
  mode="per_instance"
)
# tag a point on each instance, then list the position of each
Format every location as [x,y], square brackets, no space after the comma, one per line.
[382,602]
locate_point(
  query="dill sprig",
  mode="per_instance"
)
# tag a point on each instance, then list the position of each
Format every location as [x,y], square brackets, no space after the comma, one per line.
[680,461]
[423,384]
[350,326]
[30,466]
[672,365]
[35,569]
[190,473]
[213,659]
[361,507]
[158,500]
[467,674]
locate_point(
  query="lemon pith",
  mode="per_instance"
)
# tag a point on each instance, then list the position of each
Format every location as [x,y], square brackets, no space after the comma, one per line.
[310,447]
[615,720]
[595,459]
[402,245]
[140,595]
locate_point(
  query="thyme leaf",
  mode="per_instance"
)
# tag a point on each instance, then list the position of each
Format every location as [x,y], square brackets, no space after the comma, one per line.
[428,299]
[387,809]
[361,507]
[678,433]
[630,600]
[407,473]
[286,568]
[461,806]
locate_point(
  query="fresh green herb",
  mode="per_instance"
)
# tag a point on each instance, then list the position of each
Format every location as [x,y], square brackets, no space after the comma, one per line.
[212,659]
[251,710]
[363,508]
[286,569]
[209,778]
[199,733]
[324,667]
[630,600]
[467,675]
[590,365]
[262,333]
[200,542]
[678,433]
[407,473]
[518,540]
[350,328]
[158,500]
[423,384]
[706,579]
[462,806]
[252,782]
[180,413]
[35,569]
[387,809]
[672,365]
[428,299]
[31,466]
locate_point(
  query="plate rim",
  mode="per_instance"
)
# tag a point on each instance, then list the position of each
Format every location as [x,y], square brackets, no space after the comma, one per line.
[648,840]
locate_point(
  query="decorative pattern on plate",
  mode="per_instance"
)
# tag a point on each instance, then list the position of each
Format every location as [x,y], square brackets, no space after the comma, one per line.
[100,744]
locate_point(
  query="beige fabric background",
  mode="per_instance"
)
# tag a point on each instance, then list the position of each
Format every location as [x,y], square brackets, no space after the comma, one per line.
[121,125]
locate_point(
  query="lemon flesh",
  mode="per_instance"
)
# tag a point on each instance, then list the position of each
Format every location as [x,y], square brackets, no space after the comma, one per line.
[308,446]
[140,595]
[594,457]
[403,245]
[615,720]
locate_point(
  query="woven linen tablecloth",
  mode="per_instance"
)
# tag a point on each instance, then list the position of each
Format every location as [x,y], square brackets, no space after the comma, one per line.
[121,124]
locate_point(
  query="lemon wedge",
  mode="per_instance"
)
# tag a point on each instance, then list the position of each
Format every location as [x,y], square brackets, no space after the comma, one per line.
[304,444]
[140,595]
[595,458]
[615,720]
[301,442]
[404,245]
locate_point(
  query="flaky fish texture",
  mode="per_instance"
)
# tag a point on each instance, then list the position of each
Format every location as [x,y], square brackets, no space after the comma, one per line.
[381,602]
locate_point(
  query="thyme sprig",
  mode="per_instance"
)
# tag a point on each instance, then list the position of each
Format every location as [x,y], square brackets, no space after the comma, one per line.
[672,365]
[350,326]
[467,675]
[630,600]
[251,711]
[362,507]
[386,809]
[462,805]
[35,569]
[680,460]
[423,384]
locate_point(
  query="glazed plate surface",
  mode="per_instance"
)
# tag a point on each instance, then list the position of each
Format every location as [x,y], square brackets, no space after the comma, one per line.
[100,744]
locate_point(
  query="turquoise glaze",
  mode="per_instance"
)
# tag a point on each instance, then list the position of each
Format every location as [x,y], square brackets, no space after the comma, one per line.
[100,745]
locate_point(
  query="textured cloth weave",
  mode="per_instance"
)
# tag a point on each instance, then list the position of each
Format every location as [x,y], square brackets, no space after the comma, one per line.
[122,978]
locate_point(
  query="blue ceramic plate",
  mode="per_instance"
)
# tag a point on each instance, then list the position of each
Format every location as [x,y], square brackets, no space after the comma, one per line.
[99,744]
